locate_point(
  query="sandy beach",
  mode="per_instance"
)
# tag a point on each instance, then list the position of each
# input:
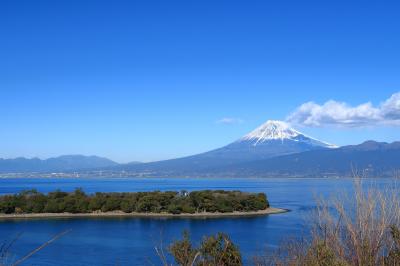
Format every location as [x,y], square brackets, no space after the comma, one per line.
[144,215]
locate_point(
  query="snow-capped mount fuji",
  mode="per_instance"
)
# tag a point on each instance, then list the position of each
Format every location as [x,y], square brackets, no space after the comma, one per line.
[279,130]
[272,129]
[272,139]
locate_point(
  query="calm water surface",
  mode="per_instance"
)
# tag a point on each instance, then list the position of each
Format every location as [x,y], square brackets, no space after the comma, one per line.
[131,241]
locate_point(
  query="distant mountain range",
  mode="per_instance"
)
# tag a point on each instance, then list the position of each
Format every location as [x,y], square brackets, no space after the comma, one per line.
[271,150]
[58,164]
[369,159]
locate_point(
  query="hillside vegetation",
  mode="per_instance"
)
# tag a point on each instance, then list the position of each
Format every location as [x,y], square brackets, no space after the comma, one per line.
[173,202]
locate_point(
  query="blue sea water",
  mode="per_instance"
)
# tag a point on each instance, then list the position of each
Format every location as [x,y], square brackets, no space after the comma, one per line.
[132,241]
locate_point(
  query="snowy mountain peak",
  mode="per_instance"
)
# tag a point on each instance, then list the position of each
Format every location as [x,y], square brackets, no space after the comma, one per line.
[272,130]
[279,130]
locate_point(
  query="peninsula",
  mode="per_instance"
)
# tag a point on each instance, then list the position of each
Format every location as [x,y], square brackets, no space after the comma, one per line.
[205,203]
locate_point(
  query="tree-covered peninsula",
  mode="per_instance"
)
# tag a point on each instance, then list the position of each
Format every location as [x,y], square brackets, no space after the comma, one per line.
[169,202]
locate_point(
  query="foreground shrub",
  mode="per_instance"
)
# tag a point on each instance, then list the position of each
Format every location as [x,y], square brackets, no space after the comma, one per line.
[360,229]
[216,250]
[393,258]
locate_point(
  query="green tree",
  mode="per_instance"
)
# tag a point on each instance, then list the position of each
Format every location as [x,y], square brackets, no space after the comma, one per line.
[112,204]
[128,204]
[96,202]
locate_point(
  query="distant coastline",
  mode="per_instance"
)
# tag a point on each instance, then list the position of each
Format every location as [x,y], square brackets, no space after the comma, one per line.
[267,211]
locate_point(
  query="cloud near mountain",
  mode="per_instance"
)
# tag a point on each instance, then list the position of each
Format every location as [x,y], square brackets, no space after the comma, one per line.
[229,120]
[333,113]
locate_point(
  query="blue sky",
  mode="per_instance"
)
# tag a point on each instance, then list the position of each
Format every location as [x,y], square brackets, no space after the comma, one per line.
[148,80]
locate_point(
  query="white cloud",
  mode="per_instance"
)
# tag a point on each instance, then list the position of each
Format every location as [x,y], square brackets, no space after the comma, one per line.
[333,113]
[391,107]
[229,121]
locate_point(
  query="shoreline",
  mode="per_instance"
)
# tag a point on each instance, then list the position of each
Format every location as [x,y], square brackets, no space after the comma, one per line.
[267,211]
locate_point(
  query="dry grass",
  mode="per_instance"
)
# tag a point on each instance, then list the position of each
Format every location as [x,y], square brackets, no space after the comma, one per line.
[349,229]
[7,259]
